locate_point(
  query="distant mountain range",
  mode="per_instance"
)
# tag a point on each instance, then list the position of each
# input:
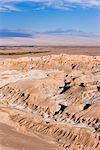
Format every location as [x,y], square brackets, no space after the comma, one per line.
[72,32]
[14,33]
[58,32]
[55,37]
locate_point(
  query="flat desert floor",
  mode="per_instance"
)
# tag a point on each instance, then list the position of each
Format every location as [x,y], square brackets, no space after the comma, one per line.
[14,52]
[49,98]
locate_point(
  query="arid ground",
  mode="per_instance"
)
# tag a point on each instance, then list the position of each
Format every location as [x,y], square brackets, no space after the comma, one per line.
[49,98]
[19,51]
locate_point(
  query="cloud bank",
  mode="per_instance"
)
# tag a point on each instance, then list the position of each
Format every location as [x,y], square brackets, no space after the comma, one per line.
[10,5]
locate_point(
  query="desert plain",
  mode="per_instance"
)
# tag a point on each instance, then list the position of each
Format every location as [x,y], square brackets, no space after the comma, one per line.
[50,98]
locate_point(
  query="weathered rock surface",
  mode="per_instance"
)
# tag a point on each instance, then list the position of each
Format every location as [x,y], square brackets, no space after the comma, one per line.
[56,96]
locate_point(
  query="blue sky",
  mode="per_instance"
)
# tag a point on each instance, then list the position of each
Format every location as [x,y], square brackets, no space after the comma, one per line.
[42,15]
[24,18]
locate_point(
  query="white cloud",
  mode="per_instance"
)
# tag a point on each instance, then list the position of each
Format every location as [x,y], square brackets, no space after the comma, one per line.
[58,4]
[9,8]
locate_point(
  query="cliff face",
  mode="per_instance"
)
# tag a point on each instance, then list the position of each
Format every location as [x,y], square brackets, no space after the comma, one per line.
[56,96]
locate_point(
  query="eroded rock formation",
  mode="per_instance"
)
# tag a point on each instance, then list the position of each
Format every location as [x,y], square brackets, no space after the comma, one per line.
[56,96]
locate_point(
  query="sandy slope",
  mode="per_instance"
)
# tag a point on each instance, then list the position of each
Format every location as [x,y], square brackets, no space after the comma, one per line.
[13,140]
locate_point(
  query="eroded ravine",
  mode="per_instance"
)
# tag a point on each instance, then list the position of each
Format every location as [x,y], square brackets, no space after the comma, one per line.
[56,96]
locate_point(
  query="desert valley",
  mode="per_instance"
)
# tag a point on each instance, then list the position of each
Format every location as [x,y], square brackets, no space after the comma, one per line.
[49,98]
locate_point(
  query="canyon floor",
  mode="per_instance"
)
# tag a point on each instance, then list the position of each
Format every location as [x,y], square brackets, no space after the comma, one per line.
[50,100]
